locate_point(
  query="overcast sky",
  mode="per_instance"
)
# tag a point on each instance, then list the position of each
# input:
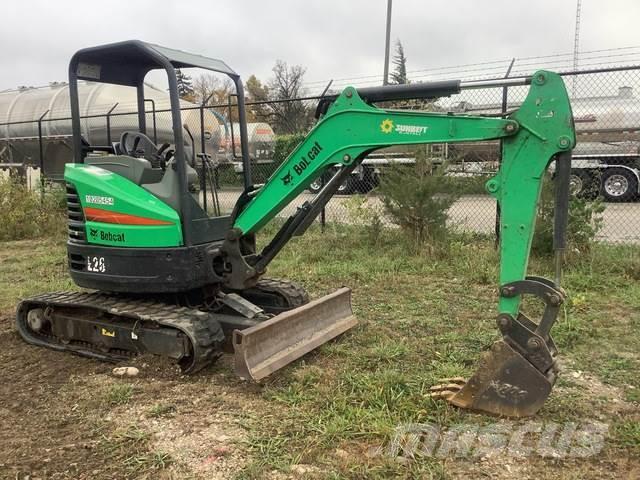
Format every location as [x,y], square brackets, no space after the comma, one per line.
[331,38]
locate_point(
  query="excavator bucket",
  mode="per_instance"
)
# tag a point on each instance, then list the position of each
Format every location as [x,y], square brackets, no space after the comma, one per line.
[516,376]
[505,384]
[264,348]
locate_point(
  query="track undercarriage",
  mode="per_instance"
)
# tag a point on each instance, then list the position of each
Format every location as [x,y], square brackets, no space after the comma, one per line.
[117,327]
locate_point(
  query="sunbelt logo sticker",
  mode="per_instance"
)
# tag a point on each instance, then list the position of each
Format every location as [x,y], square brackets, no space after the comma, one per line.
[387,126]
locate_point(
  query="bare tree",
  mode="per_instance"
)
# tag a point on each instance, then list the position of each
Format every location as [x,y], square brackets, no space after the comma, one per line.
[211,88]
[203,86]
[215,91]
[290,115]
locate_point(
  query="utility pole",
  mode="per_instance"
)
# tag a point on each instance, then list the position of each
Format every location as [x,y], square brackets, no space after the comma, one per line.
[385,78]
[576,46]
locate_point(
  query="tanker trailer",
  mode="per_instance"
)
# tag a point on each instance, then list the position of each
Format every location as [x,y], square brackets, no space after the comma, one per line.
[606,159]
[106,113]
[261,139]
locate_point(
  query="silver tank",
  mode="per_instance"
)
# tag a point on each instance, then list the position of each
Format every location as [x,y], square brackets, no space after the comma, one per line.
[19,142]
[607,125]
[260,137]
[604,124]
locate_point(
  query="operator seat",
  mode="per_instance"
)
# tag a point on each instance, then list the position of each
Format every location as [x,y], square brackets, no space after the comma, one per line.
[138,170]
[131,160]
[168,189]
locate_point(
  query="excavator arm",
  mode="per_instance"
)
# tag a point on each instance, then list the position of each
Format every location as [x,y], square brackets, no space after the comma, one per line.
[520,370]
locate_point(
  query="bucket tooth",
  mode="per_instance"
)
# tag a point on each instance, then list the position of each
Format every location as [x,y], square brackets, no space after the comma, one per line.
[264,348]
[505,384]
[454,383]
[447,389]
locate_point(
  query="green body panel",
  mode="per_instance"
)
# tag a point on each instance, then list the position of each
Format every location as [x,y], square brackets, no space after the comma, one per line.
[542,127]
[101,189]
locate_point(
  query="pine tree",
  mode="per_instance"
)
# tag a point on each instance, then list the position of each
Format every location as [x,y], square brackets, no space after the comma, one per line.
[256,92]
[399,74]
[185,88]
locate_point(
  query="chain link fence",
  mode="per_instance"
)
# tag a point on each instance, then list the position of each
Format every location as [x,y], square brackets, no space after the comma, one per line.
[606,161]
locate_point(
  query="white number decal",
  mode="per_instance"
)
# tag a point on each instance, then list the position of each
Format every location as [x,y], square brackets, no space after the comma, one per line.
[96,264]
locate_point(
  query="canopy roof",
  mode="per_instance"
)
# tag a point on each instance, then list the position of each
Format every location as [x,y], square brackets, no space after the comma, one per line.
[127,63]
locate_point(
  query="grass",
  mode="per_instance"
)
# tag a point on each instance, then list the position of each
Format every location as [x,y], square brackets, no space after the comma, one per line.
[161,410]
[627,434]
[131,447]
[423,316]
[30,267]
[120,394]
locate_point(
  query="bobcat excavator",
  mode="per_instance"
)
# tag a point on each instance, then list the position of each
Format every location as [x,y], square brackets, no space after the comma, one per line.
[167,278]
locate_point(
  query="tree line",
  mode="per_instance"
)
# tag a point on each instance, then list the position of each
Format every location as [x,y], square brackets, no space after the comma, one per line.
[275,101]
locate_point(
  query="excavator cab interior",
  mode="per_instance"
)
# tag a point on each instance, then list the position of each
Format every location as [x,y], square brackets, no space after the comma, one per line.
[169,171]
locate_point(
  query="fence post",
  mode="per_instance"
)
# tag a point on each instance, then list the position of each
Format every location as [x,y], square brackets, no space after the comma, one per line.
[233,148]
[203,147]
[41,153]
[109,124]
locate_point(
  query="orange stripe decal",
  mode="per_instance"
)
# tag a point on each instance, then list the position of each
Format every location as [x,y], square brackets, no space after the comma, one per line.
[105,216]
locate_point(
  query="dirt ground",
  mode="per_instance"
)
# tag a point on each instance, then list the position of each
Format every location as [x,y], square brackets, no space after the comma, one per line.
[61,422]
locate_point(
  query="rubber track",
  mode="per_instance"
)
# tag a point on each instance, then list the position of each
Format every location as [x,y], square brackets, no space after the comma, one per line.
[294,294]
[201,328]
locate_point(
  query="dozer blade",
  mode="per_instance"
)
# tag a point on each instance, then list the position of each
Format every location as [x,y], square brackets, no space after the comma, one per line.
[264,348]
[505,384]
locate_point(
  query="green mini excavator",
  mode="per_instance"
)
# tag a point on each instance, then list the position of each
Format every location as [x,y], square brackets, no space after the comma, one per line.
[167,278]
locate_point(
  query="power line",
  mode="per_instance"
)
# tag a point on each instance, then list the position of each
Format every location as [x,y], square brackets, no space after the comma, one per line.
[497,64]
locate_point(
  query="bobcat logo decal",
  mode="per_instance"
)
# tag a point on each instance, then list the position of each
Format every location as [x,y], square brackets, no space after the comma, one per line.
[93,232]
[286,180]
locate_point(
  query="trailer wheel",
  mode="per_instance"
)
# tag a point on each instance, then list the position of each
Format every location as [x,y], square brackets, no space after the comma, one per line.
[619,185]
[316,186]
[582,184]
[346,187]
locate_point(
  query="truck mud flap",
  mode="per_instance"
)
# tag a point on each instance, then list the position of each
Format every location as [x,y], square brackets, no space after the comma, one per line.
[264,348]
